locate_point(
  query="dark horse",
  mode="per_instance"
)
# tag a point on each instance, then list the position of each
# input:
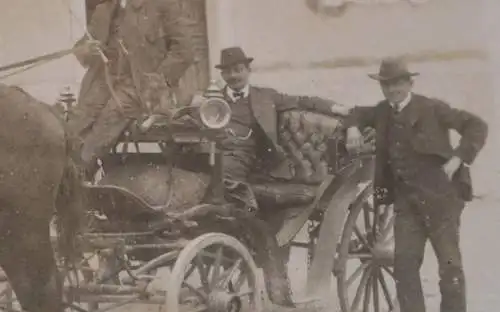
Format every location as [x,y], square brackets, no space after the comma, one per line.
[38,178]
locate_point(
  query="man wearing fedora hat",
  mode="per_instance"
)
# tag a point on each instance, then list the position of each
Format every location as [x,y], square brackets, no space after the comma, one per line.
[253,129]
[426,179]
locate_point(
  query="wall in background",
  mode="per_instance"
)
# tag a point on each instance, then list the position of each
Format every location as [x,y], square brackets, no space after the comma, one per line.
[32,28]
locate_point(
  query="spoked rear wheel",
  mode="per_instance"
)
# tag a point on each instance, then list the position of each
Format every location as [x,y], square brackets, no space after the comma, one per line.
[364,267]
[215,273]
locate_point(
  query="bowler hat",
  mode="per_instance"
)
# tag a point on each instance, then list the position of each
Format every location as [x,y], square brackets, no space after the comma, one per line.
[232,56]
[392,68]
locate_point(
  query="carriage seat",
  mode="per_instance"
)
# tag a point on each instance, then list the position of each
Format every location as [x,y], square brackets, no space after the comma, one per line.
[311,142]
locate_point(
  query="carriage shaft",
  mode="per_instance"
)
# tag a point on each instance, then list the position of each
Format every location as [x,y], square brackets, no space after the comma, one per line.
[154,299]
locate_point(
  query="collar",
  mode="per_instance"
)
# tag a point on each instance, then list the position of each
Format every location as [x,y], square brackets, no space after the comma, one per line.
[245,90]
[405,102]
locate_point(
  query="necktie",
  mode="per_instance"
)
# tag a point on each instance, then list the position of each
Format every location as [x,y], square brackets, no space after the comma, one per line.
[396,107]
[238,95]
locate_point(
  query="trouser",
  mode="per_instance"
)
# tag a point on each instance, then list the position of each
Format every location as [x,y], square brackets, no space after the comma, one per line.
[422,213]
[237,165]
[99,124]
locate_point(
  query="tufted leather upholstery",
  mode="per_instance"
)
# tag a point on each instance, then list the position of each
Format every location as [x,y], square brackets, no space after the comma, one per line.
[310,141]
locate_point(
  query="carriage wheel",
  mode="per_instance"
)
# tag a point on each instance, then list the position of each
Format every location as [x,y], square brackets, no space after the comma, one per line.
[365,279]
[8,300]
[215,273]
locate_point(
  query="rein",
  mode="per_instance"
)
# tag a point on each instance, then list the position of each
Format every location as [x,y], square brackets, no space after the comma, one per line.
[36,61]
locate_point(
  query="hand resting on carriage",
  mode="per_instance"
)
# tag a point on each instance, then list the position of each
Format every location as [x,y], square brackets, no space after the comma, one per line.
[358,142]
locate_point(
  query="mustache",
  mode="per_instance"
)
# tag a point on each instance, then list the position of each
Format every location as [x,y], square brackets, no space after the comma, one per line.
[233,80]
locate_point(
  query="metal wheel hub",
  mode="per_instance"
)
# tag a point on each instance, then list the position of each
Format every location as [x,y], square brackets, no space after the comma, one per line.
[383,252]
[222,301]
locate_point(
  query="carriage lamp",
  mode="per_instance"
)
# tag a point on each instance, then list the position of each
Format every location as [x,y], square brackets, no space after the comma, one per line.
[215,114]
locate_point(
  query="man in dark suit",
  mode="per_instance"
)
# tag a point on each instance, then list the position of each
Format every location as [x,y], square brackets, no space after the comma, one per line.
[252,139]
[427,180]
[253,129]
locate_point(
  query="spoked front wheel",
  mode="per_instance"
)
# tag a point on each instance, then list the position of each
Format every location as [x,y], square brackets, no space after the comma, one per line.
[215,273]
[364,267]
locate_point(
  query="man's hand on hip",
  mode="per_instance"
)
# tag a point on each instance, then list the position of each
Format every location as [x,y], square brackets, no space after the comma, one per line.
[452,166]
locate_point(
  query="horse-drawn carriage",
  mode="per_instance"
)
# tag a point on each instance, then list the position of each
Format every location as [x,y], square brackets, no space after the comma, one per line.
[151,239]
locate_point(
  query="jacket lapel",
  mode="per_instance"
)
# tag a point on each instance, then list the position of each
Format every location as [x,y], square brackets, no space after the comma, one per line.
[412,112]
[264,112]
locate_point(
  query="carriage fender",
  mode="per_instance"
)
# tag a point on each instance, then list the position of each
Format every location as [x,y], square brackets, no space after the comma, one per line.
[358,170]
[318,278]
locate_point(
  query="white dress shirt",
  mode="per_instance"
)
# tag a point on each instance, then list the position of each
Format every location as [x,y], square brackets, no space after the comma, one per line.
[403,103]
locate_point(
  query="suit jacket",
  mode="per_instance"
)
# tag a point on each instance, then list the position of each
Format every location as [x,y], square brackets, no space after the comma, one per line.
[158,39]
[267,104]
[431,120]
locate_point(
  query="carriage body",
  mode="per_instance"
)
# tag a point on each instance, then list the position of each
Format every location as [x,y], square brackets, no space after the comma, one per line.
[146,215]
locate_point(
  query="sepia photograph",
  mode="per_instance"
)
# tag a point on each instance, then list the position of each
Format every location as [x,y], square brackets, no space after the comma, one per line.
[249,155]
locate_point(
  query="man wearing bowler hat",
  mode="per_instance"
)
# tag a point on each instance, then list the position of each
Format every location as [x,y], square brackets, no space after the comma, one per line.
[426,179]
[252,134]
[253,130]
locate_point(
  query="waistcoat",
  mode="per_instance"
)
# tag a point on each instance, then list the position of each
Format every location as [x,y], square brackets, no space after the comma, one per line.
[242,124]
[406,164]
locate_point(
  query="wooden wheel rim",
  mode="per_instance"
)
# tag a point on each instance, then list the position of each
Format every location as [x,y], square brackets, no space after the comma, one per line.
[189,253]
[370,272]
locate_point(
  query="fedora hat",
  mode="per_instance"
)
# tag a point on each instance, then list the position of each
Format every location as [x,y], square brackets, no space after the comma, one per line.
[232,56]
[392,68]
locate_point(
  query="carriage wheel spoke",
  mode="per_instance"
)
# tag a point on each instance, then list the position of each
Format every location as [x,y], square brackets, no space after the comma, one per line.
[239,282]
[189,271]
[376,303]
[388,270]
[360,236]
[216,267]
[354,276]
[360,256]
[368,290]
[359,291]
[385,215]
[203,271]
[387,228]
[366,214]
[230,273]
[385,290]
[196,291]
[377,221]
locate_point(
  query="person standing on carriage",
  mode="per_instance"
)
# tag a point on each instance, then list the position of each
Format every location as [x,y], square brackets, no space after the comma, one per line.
[426,179]
[137,50]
